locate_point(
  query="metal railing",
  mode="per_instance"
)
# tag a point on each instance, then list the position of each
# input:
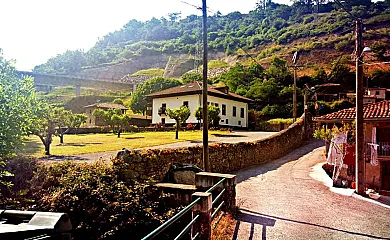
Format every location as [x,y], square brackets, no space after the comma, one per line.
[185,210]
[384,149]
[217,198]
[168,223]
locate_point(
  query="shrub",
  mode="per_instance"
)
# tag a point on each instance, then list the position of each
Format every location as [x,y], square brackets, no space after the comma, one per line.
[281,121]
[99,205]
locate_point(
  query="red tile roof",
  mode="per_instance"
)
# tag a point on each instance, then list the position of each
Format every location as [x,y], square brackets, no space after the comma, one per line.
[196,88]
[374,111]
[107,106]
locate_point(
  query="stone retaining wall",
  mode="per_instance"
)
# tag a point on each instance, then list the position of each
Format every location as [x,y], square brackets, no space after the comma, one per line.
[224,157]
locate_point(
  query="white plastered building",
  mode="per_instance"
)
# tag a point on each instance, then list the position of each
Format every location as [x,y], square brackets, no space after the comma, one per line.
[234,108]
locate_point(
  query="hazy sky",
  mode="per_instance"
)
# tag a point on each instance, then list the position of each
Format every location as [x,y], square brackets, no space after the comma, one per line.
[33,31]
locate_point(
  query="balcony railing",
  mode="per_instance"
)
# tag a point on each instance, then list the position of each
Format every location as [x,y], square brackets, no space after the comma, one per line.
[384,149]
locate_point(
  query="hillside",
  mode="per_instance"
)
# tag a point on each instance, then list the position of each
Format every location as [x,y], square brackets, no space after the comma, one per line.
[249,53]
[268,30]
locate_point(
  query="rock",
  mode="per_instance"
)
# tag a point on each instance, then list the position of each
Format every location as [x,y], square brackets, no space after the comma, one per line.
[182,173]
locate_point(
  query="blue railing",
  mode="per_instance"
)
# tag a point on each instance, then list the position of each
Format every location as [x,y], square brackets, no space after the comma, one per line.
[185,210]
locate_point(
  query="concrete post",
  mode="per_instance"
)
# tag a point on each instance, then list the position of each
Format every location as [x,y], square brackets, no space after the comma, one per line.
[78,90]
[230,194]
[205,180]
[203,208]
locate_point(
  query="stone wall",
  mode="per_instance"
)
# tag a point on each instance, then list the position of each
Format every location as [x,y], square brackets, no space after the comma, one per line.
[224,157]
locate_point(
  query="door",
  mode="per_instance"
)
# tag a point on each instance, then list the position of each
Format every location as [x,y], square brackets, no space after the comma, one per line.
[386,176]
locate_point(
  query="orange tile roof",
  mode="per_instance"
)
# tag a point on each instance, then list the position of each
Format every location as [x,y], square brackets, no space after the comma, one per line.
[374,111]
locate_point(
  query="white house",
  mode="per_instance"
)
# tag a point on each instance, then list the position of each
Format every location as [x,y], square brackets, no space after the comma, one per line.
[234,108]
[379,93]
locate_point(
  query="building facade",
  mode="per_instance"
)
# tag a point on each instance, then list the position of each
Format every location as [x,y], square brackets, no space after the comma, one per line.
[233,108]
[376,132]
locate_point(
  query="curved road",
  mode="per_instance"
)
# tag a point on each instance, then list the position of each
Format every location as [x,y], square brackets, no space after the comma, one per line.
[281,200]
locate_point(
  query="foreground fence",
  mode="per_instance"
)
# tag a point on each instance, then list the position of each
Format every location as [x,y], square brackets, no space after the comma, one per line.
[215,192]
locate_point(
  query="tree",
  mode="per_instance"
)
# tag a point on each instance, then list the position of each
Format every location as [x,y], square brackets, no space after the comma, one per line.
[191,76]
[114,118]
[65,120]
[213,115]
[17,100]
[180,115]
[279,71]
[379,50]
[118,101]
[44,126]
[138,99]
[61,118]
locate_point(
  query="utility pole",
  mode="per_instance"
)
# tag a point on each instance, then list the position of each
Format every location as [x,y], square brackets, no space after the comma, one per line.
[360,165]
[305,122]
[206,160]
[295,61]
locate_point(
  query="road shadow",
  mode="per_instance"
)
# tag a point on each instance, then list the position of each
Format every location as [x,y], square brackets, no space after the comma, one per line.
[253,220]
[276,163]
[133,137]
[77,144]
[266,216]
[227,135]
[62,158]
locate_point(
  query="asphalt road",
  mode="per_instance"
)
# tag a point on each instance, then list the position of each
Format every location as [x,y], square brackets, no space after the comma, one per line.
[282,200]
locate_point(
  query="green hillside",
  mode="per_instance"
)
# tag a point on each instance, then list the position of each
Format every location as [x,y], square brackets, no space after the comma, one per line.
[254,50]
[270,28]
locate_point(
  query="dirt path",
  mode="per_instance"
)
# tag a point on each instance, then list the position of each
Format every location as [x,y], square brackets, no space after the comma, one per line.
[281,200]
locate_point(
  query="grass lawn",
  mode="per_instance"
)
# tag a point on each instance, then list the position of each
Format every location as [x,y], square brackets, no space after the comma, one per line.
[91,143]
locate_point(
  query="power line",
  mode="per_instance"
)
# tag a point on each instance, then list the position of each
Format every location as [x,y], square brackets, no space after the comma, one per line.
[197,7]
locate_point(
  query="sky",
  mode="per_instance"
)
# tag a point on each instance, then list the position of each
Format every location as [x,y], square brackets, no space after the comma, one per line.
[33,31]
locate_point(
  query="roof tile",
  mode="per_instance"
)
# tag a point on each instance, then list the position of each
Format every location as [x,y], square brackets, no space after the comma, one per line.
[379,110]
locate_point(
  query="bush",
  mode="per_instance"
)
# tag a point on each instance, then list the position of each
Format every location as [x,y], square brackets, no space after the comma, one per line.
[99,205]
[286,121]
[340,105]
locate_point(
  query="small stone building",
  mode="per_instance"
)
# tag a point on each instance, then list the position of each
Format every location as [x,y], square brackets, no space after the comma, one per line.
[92,121]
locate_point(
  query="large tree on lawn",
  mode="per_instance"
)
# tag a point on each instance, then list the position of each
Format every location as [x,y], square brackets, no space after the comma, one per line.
[138,99]
[17,100]
[180,115]
[113,118]
[65,120]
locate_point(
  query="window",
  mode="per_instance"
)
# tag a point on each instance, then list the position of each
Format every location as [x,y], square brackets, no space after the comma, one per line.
[227,121]
[90,121]
[164,105]
[185,103]
[163,120]
[234,111]
[216,104]
[239,123]
[223,109]
[208,103]
[242,114]
[377,93]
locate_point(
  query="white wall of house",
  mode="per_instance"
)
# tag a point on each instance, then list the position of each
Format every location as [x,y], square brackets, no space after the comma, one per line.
[195,101]
[380,93]
[175,102]
[236,120]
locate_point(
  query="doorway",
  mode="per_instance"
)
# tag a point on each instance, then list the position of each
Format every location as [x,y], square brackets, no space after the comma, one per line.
[386,176]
